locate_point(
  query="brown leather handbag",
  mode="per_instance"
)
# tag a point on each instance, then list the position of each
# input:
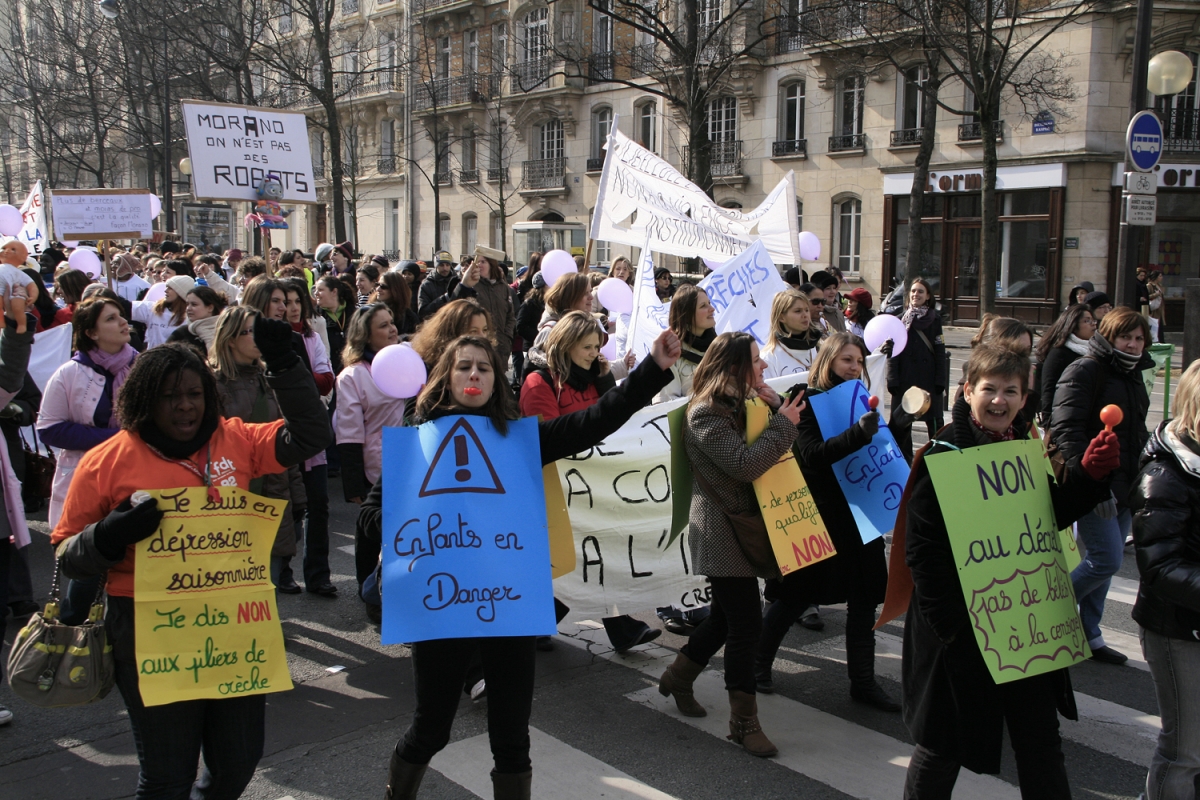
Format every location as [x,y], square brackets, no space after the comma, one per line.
[39,469]
[750,530]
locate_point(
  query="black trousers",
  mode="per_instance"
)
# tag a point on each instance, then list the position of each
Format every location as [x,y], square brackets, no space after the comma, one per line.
[441,667]
[1031,715]
[366,554]
[735,622]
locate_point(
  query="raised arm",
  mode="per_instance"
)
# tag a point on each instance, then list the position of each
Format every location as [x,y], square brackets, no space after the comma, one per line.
[305,431]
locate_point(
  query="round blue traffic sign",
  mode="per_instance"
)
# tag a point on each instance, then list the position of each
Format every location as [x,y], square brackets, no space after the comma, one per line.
[1143,141]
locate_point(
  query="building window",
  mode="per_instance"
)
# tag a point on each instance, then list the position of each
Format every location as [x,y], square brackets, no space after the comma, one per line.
[468,150]
[497,232]
[722,119]
[647,126]
[471,62]
[442,57]
[392,234]
[470,233]
[601,125]
[603,42]
[499,47]
[495,148]
[549,141]
[847,224]
[709,12]
[850,106]
[443,232]
[387,137]
[534,39]
[912,100]
[791,112]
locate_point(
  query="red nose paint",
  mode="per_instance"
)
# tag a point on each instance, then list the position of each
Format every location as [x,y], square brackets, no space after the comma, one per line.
[472,391]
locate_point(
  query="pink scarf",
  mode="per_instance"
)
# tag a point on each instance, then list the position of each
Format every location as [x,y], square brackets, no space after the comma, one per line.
[116,364]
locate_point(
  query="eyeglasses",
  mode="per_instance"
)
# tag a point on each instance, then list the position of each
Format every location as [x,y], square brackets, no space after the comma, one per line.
[817,302]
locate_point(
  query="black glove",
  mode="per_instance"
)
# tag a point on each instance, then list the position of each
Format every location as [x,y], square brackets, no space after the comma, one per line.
[886,348]
[274,340]
[125,525]
[869,422]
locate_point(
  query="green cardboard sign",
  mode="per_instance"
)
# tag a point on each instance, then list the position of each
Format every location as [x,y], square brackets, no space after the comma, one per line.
[681,474]
[996,503]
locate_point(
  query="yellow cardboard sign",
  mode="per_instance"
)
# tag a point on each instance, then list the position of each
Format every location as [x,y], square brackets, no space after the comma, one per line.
[798,534]
[205,618]
[562,540]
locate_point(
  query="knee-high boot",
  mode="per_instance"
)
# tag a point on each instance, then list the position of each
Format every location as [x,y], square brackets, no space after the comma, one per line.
[510,786]
[403,778]
[860,663]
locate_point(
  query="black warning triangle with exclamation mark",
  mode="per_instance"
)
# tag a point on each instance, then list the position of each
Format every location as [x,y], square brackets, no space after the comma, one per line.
[461,465]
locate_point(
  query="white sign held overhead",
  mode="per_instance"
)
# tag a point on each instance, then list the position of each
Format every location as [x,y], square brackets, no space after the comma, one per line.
[741,291]
[233,148]
[1141,209]
[649,316]
[678,217]
[35,234]
[101,214]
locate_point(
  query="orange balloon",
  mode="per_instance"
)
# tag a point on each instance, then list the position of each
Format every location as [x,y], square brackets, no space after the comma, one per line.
[1111,416]
[873,402]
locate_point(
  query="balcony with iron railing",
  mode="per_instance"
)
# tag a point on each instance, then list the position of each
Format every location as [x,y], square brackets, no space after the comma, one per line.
[349,6]
[973,132]
[596,164]
[789,148]
[386,164]
[543,173]
[1181,130]
[468,176]
[642,59]
[725,158]
[848,143]
[531,73]
[428,6]
[790,37]
[497,175]
[602,67]
[443,178]
[476,87]
[907,137]
[319,170]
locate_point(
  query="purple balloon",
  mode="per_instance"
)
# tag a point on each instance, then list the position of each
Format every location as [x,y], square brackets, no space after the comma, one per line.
[557,263]
[615,295]
[883,327]
[398,371]
[156,292]
[609,350]
[810,246]
[11,221]
[86,261]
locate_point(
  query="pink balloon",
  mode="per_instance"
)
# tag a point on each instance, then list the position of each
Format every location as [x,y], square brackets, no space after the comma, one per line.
[609,350]
[398,371]
[557,263]
[883,327]
[86,261]
[810,246]
[155,206]
[156,292]
[615,295]
[11,221]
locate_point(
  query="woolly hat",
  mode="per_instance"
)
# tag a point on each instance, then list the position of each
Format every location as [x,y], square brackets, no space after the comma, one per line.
[346,249]
[662,272]
[124,261]
[822,279]
[181,284]
[444,256]
[861,296]
[411,267]
[1096,299]
[323,252]
[381,262]
[539,281]
[235,255]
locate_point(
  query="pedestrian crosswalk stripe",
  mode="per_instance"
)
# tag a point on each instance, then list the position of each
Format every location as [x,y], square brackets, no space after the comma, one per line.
[559,770]
[852,759]
[1122,590]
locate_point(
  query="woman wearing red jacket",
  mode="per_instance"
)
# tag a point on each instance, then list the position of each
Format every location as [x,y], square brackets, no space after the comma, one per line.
[575,374]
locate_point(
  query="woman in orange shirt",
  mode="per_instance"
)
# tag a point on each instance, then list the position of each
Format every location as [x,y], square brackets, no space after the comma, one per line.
[172,435]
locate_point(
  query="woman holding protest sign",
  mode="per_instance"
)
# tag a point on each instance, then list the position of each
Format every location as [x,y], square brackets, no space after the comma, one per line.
[792,343]
[921,363]
[173,435]
[1111,373]
[857,575]
[469,379]
[954,708]
[724,467]
[1166,532]
[693,319]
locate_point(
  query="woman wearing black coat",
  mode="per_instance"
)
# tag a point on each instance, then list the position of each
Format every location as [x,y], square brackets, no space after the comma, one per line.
[1166,532]
[471,363]
[1110,374]
[954,709]
[857,575]
[921,363]
[1066,341]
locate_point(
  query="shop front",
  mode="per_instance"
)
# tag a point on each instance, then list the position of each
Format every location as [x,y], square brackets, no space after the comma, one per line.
[1031,201]
[1172,245]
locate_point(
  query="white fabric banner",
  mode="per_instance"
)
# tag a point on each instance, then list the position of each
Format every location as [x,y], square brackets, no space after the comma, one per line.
[35,234]
[51,349]
[742,289]
[619,498]
[649,316]
[678,217]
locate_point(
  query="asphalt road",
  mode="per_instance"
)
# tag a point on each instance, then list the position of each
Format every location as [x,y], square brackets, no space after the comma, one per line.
[600,728]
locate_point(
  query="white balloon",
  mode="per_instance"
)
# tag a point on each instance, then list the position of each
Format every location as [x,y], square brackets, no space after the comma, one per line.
[86,261]
[156,292]
[810,246]
[557,263]
[11,221]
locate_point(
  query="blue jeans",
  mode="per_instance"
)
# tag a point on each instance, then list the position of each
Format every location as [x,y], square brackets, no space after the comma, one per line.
[1105,543]
[1175,666]
[170,738]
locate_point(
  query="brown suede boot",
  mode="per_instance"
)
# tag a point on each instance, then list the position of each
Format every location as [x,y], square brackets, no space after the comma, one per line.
[403,778]
[507,786]
[677,682]
[744,728]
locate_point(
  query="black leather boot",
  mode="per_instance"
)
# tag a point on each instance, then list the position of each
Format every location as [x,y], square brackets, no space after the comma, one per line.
[403,778]
[775,627]
[860,664]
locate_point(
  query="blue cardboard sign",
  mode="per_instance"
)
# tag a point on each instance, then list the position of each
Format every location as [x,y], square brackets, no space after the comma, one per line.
[466,549]
[1143,141]
[872,478]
